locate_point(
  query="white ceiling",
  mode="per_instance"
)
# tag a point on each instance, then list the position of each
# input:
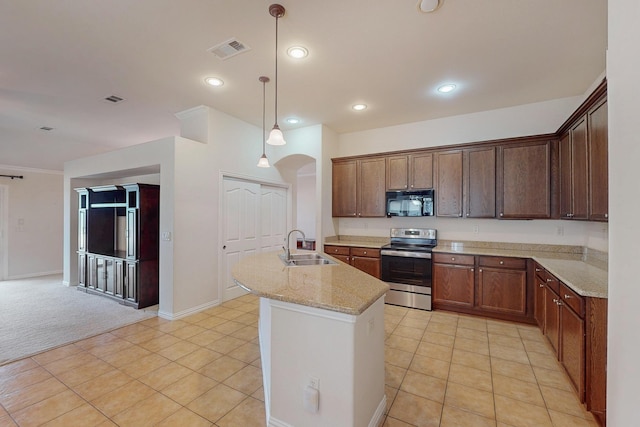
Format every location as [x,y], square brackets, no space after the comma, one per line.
[59,59]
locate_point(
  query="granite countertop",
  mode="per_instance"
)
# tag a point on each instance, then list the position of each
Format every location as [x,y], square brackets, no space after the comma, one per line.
[357,241]
[585,278]
[337,287]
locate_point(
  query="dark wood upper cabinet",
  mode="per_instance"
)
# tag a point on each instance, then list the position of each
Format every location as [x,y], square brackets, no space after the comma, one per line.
[448,183]
[524,176]
[480,182]
[574,173]
[410,171]
[358,188]
[598,162]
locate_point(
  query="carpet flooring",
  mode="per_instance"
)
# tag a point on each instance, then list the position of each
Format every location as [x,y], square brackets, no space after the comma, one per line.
[41,313]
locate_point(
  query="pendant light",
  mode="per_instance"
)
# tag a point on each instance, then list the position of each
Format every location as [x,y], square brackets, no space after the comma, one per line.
[428,6]
[275,136]
[263,162]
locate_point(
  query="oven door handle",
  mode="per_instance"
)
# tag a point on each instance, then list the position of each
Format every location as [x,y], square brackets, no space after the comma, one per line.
[405,254]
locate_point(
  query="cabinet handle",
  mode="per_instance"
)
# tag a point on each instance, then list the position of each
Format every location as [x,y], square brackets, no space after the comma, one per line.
[473,269]
[538,270]
[365,252]
[549,280]
[501,262]
[541,285]
[555,300]
[606,215]
[480,270]
[559,302]
[566,296]
[501,214]
[460,215]
[453,259]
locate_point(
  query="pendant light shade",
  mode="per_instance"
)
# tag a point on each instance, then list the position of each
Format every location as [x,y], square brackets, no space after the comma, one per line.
[275,136]
[263,162]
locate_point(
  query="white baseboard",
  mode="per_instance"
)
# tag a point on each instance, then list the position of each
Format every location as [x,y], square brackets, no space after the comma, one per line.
[376,420]
[30,275]
[188,312]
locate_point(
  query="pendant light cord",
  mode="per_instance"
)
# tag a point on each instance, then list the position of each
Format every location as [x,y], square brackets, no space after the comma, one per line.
[264,139]
[276,70]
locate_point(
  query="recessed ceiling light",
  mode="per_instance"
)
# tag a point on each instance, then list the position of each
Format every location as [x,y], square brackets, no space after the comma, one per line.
[214,81]
[447,88]
[359,107]
[293,120]
[297,52]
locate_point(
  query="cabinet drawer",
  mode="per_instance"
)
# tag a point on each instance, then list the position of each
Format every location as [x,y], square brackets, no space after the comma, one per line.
[573,300]
[540,272]
[550,280]
[453,259]
[336,250]
[365,252]
[502,262]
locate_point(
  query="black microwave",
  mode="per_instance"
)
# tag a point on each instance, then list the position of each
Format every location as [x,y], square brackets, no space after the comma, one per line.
[409,203]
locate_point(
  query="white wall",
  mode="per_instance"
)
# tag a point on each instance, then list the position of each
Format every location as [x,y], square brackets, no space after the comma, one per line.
[306,204]
[33,232]
[623,63]
[524,120]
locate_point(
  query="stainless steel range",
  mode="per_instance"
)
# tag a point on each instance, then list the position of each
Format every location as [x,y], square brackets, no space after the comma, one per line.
[406,267]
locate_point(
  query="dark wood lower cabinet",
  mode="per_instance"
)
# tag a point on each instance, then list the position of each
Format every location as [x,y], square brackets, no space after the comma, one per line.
[455,284]
[552,318]
[572,348]
[364,259]
[502,290]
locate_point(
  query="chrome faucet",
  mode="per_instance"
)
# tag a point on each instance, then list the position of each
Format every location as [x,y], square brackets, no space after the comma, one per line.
[287,252]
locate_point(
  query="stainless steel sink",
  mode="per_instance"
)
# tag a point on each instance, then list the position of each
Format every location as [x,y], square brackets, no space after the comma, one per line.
[306,259]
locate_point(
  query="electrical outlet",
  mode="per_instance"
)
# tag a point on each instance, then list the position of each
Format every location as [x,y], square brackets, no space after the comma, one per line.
[314,383]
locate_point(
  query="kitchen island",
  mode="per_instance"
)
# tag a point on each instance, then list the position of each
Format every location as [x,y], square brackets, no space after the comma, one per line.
[321,341]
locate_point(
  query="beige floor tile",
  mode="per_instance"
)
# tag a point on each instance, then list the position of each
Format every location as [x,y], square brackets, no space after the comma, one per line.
[195,318]
[455,417]
[538,347]
[402,343]
[552,378]
[415,410]
[29,395]
[178,350]
[390,394]
[123,398]
[6,421]
[546,361]
[395,310]
[472,345]
[157,344]
[470,399]
[441,328]
[215,403]
[564,401]
[393,375]
[103,384]
[126,356]
[392,422]
[413,322]
[502,328]
[246,380]
[74,361]
[101,350]
[531,334]
[248,319]
[129,330]
[247,333]
[185,417]
[472,334]
[560,419]
[508,353]
[506,341]
[205,338]
[199,358]
[472,323]
[428,366]
[521,414]
[471,377]
[230,314]
[226,344]
[13,383]
[144,365]
[520,371]
[419,314]
[188,331]
[445,317]
[147,412]
[431,388]
[438,338]
[211,322]
[189,388]
[48,409]
[172,326]
[397,357]
[409,332]
[517,389]
[143,336]
[472,360]
[392,319]
[229,327]
[165,375]
[435,351]
[246,352]
[82,416]
[258,394]
[249,413]
[222,368]
[56,354]
[85,372]
[14,368]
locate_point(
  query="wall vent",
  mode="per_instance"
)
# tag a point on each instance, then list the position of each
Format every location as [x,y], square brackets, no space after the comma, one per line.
[46,128]
[228,49]
[114,99]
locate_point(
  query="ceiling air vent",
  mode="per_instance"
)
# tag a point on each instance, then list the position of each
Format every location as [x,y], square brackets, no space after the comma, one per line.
[114,99]
[231,47]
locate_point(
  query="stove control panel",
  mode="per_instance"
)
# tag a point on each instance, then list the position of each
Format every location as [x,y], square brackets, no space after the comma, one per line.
[414,233]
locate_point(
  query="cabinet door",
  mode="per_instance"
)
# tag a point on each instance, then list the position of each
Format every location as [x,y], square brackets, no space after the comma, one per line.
[598,162]
[421,171]
[552,318]
[573,350]
[82,230]
[118,289]
[524,176]
[344,189]
[92,276]
[368,265]
[579,172]
[564,153]
[539,307]
[132,233]
[502,290]
[131,282]
[109,276]
[101,274]
[448,183]
[480,183]
[397,173]
[82,270]
[371,187]
[453,284]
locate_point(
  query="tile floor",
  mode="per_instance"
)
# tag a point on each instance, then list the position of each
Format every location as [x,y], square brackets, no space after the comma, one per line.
[441,370]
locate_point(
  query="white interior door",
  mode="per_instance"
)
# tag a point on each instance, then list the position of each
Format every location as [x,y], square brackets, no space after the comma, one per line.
[254,219]
[4,214]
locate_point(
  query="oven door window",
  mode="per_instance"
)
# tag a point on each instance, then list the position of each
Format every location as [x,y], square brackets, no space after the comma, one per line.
[409,271]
